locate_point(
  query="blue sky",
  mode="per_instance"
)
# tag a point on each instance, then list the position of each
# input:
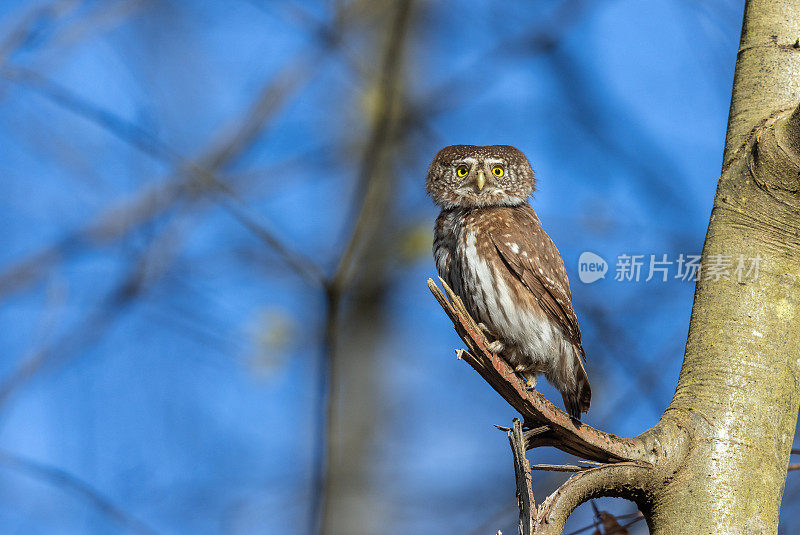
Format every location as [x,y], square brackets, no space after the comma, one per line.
[190,403]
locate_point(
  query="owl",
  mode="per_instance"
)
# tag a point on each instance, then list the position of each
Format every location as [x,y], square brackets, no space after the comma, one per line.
[491,249]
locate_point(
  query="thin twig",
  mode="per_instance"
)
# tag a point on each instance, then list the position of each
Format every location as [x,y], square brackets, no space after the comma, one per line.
[300,264]
[124,130]
[192,178]
[149,266]
[559,467]
[31,22]
[536,431]
[64,479]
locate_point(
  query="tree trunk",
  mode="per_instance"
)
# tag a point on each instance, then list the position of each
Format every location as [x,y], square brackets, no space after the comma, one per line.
[737,396]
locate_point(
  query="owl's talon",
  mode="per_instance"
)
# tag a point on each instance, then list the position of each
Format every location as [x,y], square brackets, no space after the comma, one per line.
[530,382]
[496,347]
[486,330]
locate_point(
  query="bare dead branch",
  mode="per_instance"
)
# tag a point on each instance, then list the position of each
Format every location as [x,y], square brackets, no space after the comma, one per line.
[563,432]
[624,466]
[522,471]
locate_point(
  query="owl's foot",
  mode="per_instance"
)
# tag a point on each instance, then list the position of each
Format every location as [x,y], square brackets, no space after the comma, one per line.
[530,381]
[495,347]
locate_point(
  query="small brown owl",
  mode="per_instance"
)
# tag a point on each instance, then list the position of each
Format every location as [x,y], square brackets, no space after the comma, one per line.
[491,249]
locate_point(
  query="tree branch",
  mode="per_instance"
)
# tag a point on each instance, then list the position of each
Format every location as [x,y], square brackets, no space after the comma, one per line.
[299,263]
[522,471]
[561,431]
[624,480]
[67,481]
[628,464]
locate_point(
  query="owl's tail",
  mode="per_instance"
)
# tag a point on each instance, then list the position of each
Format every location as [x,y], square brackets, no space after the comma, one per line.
[577,401]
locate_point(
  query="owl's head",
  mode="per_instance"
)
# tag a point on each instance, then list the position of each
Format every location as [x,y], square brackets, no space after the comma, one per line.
[466,176]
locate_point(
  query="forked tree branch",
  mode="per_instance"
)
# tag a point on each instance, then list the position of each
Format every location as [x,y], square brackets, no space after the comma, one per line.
[625,467]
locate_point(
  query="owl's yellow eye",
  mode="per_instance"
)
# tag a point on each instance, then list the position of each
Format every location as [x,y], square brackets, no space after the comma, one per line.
[497,170]
[462,170]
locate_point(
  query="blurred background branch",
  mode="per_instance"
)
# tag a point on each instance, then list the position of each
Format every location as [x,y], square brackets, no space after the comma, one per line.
[69,482]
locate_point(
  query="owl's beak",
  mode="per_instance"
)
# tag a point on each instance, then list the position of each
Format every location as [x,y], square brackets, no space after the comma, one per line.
[480,180]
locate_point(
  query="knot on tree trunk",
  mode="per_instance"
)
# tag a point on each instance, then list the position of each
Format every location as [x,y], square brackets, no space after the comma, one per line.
[775,156]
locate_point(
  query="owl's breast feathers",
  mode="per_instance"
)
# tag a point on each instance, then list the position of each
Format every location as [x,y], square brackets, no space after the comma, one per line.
[513,244]
[511,277]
